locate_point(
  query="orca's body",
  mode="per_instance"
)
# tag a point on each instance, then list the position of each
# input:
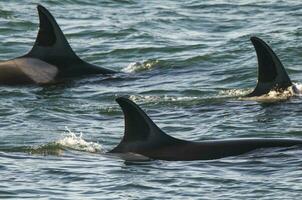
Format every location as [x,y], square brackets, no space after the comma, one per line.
[272,75]
[50,59]
[143,137]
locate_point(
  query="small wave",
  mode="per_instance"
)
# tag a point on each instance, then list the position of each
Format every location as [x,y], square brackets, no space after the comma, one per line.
[76,142]
[70,141]
[138,66]
[51,148]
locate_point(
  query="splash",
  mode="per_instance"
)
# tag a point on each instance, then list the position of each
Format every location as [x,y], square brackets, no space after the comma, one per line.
[71,141]
[274,95]
[165,98]
[76,142]
[138,66]
[297,89]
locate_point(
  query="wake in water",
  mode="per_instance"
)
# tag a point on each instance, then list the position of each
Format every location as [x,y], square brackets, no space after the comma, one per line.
[234,92]
[165,98]
[139,67]
[272,96]
[76,142]
[70,140]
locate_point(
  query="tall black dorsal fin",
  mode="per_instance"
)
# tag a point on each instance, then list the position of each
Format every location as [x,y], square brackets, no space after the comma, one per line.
[50,42]
[271,72]
[141,133]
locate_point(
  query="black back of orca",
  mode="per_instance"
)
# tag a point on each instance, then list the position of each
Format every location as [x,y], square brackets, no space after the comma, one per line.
[143,137]
[271,72]
[141,134]
[52,47]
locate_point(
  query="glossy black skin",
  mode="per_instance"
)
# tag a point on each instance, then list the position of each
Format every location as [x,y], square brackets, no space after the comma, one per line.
[271,72]
[210,149]
[52,47]
[143,137]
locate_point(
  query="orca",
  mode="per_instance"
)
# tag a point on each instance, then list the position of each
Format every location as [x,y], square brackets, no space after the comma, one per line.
[272,75]
[143,137]
[51,58]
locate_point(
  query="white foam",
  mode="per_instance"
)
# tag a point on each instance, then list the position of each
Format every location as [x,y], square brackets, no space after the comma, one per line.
[274,95]
[138,66]
[235,92]
[76,142]
[150,99]
[297,89]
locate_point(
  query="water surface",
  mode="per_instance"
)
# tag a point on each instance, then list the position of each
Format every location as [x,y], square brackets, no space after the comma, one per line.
[186,63]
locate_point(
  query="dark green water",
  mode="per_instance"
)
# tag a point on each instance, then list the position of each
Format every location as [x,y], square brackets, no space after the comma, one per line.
[186,65]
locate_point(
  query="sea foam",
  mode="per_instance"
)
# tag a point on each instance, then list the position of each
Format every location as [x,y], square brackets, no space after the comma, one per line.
[75,141]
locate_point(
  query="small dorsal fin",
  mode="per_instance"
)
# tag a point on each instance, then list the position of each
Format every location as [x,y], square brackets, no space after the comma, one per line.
[271,72]
[141,133]
[50,42]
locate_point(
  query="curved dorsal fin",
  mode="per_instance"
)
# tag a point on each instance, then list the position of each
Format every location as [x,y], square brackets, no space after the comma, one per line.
[271,73]
[141,133]
[50,42]
[52,47]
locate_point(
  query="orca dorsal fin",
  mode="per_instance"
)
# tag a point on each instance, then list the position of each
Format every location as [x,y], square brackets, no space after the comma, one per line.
[271,72]
[141,133]
[50,43]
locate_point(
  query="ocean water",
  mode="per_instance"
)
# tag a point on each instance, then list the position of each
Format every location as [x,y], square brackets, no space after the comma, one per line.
[186,63]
